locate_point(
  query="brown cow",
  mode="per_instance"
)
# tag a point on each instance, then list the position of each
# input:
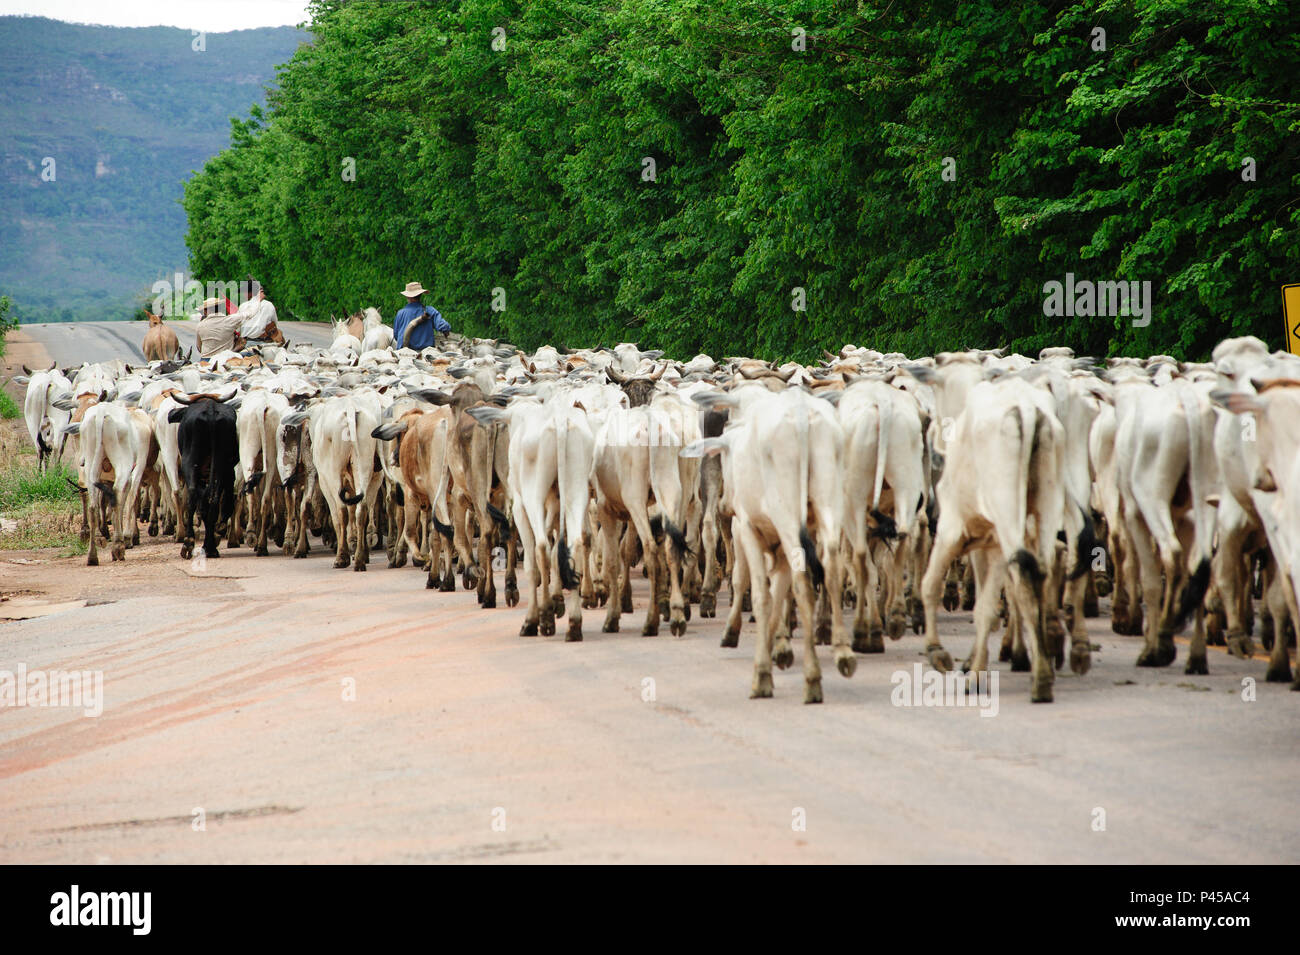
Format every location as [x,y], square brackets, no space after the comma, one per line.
[160,342]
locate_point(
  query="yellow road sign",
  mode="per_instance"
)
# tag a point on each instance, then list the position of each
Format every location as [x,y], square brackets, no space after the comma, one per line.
[1291,317]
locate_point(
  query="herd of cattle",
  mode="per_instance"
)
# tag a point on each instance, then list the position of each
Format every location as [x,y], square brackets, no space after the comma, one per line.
[868,483]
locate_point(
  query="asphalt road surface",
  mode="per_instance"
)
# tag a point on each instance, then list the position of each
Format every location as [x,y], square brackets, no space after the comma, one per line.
[279,710]
[71,343]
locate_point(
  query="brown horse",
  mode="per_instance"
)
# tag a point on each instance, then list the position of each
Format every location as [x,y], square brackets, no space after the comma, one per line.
[160,342]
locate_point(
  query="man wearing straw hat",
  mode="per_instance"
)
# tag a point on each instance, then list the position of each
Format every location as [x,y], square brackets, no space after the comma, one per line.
[216,330]
[415,323]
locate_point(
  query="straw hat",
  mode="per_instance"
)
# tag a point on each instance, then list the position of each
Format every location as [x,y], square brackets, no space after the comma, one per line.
[413,289]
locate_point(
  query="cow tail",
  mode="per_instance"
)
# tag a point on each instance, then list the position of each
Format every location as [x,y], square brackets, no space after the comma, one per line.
[884,414]
[444,476]
[568,576]
[1026,417]
[1197,585]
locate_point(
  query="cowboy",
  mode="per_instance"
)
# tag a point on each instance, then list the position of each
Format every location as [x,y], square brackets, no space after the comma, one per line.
[258,315]
[217,332]
[411,325]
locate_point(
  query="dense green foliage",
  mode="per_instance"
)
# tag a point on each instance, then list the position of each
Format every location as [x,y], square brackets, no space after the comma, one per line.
[776,169]
[126,115]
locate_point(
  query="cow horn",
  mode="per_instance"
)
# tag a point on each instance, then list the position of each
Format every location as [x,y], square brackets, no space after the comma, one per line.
[660,373]
[615,375]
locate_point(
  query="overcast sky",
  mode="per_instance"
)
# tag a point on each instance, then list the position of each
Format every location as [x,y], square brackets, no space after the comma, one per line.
[215,16]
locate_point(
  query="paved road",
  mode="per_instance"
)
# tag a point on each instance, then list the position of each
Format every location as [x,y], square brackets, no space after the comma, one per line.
[71,343]
[230,694]
[317,715]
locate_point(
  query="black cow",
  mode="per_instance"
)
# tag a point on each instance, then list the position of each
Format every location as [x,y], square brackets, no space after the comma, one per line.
[209,452]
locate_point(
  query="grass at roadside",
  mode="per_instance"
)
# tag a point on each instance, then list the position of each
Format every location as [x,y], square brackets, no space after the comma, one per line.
[36,510]
[8,407]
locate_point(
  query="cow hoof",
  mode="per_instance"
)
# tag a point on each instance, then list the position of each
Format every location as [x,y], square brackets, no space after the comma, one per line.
[609,626]
[846,663]
[1214,636]
[1103,585]
[119,553]
[677,628]
[84,536]
[557,605]
[1004,653]
[1266,630]
[862,643]
[187,551]
[466,580]
[1090,608]
[261,552]
[1196,666]
[447,585]
[686,611]
[431,583]
[399,562]
[211,553]
[625,605]
[823,635]
[341,562]
[812,691]
[92,560]
[664,613]
[1080,658]
[153,530]
[650,630]
[1278,672]
[359,568]
[573,635]
[1042,693]
[951,599]
[490,601]
[939,658]
[1240,645]
[730,638]
[512,596]
[709,605]
[529,629]
[1161,655]
[968,600]
[761,688]
[547,627]
[1020,660]
[783,656]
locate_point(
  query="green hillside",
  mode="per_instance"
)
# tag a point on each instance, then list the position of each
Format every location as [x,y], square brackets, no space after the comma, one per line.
[127,115]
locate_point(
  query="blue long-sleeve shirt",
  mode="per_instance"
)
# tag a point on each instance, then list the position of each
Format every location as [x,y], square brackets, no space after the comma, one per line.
[422,336]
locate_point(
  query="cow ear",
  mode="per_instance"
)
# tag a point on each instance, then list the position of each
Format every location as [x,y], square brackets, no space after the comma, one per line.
[176,414]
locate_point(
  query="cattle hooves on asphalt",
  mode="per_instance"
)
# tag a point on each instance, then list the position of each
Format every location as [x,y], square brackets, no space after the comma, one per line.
[529,629]
[761,689]
[573,636]
[1278,673]
[1241,646]
[678,628]
[730,638]
[812,691]
[783,658]
[1196,666]
[939,658]
[1020,660]
[1159,656]
[1080,659]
